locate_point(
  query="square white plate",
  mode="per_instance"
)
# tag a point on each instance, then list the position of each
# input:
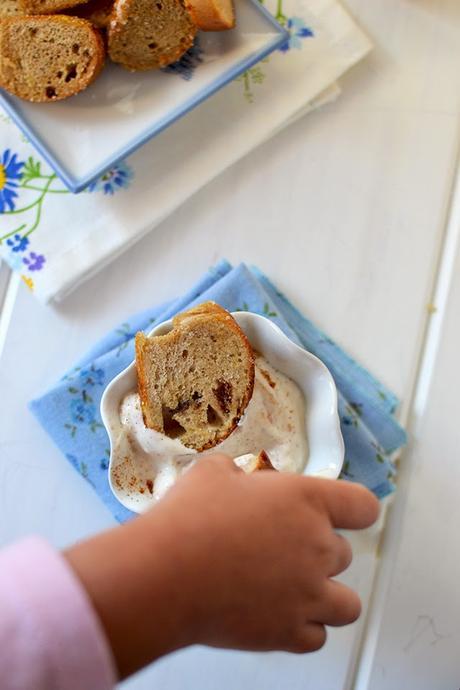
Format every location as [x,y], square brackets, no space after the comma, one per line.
[85,135]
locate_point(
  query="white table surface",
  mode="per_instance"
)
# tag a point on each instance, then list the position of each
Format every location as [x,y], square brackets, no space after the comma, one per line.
[347,210]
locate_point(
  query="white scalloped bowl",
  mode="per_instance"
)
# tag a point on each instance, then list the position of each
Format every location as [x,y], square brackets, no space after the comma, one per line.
[325,443]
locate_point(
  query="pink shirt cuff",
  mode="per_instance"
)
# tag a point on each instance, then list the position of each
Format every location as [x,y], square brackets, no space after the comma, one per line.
[50,635]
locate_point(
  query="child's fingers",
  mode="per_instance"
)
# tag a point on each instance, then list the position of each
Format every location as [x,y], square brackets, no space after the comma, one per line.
[310,638]
[218,461]
[343,553]
[350,506]
[340,605]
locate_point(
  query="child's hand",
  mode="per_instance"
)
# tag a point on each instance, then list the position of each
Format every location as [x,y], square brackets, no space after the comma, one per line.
[256,554]
[228,560]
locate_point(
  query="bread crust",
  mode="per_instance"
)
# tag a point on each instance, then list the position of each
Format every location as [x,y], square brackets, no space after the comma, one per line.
[263,462]
[98,12]
[250,463]
[48,6]
[201,309]
[139,345]
[192,324]
[9,71]
[207,15]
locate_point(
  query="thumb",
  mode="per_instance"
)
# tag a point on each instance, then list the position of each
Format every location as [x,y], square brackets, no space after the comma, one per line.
[220,461]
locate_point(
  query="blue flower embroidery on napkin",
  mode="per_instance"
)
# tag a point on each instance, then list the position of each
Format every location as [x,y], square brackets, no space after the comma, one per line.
[118,177]
[298,31]
[92,376]
[24,187]
[18,243]
[83,411]
[34,261]
[10,173]
[19,261]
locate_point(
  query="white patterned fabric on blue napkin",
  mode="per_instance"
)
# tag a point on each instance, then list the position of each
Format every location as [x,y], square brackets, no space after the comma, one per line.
[69,412]
[54,240]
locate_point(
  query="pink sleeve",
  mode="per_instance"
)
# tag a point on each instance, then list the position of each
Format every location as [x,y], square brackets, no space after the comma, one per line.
[50,635]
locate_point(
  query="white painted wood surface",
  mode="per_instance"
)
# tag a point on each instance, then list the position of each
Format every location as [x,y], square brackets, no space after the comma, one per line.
[418,632]
[346,210]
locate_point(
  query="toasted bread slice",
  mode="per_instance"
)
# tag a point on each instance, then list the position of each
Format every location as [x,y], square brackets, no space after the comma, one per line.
[206,308]
[212,15]
[47,6]
[98,12]
[253,463]
[145,35]
[48,58]
[10,8]
[196,381]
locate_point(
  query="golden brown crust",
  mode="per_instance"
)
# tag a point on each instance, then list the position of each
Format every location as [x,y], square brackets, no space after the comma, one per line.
[48,6]
[37,70]
[199,310]
[98,12]
[250,463]
[263,462]
[139,344]
[208,16]
[196,381]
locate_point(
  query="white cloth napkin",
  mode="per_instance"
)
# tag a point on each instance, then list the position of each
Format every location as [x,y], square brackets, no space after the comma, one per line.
[55,239]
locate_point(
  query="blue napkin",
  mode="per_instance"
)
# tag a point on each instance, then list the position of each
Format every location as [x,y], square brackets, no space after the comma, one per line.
[69,412]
